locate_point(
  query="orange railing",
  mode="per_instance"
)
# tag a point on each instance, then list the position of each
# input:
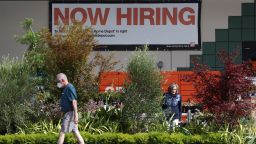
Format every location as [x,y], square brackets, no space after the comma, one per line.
[115,81]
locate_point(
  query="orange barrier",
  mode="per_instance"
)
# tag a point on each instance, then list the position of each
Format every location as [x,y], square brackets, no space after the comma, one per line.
[115,80]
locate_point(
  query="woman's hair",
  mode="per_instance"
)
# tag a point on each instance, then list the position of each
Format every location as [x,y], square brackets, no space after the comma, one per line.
[173,85]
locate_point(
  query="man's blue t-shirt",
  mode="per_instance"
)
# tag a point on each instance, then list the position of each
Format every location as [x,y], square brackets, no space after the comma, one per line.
[67,96]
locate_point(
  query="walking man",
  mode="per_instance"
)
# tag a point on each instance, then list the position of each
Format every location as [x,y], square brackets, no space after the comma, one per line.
[68,109]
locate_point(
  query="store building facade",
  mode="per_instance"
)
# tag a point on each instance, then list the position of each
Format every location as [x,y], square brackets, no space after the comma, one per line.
[224,25]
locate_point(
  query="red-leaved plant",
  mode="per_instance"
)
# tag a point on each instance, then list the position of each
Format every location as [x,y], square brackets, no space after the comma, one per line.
[224,94]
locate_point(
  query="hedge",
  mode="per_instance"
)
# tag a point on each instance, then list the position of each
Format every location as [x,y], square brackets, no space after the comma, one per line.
[115,138]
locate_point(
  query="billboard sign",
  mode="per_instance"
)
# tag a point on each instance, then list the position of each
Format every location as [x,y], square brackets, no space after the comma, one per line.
[172,25]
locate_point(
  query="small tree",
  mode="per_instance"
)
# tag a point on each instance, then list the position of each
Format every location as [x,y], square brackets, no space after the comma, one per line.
[68,54]
[143,92]
[35,55]
[35,58]
[224,94]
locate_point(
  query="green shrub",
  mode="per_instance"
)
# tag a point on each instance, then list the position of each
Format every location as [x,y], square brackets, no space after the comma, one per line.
[99,122]
[142,93]
[125,138]
[213,138]
[29,139]
[41,127]
[117,138]
[16,90]
[35,58]
[141,138]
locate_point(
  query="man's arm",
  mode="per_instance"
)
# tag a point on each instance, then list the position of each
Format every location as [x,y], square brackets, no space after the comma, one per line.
[74,103]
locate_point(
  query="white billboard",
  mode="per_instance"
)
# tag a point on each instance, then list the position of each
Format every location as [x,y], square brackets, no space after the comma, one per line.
[133,23]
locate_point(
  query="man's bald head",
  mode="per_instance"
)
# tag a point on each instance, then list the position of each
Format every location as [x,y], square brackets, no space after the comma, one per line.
[62,77]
